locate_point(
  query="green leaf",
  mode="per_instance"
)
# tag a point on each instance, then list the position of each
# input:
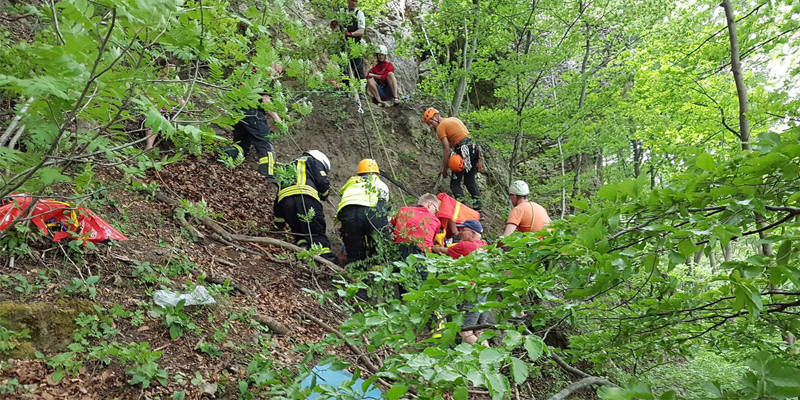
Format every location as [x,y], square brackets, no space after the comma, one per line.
[534,346]
[179,395]
[489,356]
[57,375]
[175,331]
[519,370]
[396,391]
[784,251]
[461,393]
[705,162]
[512,339]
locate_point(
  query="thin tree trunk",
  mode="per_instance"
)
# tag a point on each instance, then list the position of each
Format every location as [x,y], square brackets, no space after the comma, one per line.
[637,157]
[469,55]
[736,69]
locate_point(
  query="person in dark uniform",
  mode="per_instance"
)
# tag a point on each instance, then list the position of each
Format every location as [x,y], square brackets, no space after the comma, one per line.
[354,27]
[254,130]
[301,194]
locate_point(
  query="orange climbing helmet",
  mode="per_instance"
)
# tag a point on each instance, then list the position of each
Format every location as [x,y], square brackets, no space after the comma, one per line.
[429,113]
[456,163]
[368,165]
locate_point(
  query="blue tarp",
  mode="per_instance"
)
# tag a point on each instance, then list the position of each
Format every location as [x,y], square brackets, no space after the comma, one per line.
[326,376]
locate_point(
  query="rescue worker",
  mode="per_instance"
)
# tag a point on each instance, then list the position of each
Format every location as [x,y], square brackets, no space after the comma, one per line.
[414,228]
[470,231]
[526,216]
[363,211]
[381,82]
[354,28]
[299,201]
[458,154]
[253,129]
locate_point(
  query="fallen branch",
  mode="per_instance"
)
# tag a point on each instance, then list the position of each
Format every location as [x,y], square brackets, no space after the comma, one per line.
[585,382]
[367,362]
[231,237]
[568,367]
[273,325]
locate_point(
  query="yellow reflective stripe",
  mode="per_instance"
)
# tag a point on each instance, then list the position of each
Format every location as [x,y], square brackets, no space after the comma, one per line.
[456,211]
[270,163]
[325,193]
[301,172]
[296,189]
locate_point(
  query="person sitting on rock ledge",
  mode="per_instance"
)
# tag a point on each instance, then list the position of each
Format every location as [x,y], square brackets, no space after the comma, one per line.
[381,82]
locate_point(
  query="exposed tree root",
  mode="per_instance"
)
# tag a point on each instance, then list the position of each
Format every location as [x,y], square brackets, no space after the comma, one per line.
[361,356]
[232,237]
[585,382]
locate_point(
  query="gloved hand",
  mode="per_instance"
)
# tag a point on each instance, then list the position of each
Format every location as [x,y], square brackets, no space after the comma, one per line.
[349,34]
[334,24]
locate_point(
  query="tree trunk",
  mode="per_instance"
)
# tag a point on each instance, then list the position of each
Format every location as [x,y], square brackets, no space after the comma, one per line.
[736,69]
[469,55]
[637,157]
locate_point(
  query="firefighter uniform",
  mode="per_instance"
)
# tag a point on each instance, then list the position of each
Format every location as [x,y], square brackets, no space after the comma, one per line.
[253,129]
[296,200]
[362,212]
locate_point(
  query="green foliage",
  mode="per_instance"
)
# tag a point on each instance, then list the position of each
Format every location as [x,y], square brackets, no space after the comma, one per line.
[86,287]
[25,287]
[9,339]
[143,367]
[175,319]
[194,210]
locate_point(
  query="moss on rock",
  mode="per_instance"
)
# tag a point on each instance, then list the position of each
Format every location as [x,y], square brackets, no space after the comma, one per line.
[51,325]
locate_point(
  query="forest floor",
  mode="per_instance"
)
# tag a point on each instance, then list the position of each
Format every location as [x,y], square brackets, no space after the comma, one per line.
[103,342]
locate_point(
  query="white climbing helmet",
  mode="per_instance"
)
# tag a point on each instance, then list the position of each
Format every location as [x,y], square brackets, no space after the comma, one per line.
[519,188]
[321,158]
[381,50]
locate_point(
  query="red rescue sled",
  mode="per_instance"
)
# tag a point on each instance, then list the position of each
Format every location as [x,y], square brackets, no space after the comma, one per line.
[59,220]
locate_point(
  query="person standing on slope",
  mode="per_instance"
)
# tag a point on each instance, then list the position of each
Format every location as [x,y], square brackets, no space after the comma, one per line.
[458,154]
[299,201]
[354,28]
[363,210]
[526,216]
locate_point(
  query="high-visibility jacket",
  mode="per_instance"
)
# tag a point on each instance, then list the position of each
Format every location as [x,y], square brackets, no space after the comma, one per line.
[311,180]
[363,190]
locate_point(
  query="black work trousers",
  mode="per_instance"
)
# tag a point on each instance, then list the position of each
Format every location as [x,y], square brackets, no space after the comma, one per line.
[291,209]
[253,130]
[468,177]
[359,224]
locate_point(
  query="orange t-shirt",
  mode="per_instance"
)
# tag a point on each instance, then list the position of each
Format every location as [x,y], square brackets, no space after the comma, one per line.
[453,129]
[527,213]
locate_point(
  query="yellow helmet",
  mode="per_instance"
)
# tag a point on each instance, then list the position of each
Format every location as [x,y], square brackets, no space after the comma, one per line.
[368,165]
[429,113]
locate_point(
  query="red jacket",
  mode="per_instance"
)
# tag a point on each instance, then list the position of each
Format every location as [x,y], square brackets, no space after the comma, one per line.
[382,69]
[416,225]
[463,248]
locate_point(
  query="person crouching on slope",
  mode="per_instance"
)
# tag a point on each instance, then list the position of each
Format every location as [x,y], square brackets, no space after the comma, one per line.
[363,211]
[299,201]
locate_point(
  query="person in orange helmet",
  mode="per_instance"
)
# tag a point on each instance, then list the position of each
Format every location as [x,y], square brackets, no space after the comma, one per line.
[363,211]
[456,140]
